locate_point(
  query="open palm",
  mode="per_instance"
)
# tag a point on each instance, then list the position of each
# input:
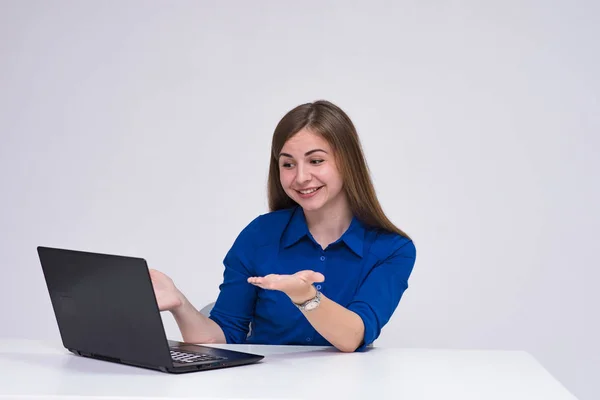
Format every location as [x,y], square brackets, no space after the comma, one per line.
[297,286]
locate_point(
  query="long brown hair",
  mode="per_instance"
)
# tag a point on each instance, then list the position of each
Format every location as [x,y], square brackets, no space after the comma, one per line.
[329,121]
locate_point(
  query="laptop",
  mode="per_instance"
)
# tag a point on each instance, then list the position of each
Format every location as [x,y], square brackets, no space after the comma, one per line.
[106,309]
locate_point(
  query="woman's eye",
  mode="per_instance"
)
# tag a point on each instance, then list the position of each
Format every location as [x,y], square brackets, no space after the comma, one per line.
[287,165]
[316,162]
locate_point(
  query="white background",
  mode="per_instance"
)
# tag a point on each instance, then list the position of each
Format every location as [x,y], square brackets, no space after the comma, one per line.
[143,128]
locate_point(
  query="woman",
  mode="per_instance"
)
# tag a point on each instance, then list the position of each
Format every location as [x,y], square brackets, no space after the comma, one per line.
[324,267]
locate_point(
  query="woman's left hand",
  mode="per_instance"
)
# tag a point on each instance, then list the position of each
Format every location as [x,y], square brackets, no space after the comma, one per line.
[299,286]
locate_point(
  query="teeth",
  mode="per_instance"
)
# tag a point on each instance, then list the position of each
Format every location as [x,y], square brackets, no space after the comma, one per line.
[308,191]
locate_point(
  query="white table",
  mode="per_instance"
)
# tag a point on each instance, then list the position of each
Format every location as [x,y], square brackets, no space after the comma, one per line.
[36,370]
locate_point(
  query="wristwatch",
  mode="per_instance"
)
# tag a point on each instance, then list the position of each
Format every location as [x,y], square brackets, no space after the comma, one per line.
[310,304]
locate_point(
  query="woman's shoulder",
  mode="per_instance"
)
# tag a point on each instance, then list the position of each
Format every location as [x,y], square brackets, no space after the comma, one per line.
[272,219]
[387,243]
[268,226]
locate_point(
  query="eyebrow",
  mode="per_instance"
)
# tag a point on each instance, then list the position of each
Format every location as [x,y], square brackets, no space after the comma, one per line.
[308,153]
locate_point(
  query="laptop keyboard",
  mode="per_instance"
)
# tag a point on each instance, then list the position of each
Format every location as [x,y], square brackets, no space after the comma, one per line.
[184,357]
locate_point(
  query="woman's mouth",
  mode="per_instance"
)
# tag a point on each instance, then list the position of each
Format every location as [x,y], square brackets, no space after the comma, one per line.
[307,193]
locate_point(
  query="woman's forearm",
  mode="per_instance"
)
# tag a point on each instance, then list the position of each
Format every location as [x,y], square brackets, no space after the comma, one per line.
[341,327]
[195,327]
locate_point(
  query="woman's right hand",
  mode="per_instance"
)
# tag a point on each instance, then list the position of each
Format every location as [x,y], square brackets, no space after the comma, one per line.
[167,295]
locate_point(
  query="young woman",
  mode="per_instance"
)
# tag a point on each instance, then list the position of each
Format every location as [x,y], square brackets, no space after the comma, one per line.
[324,267]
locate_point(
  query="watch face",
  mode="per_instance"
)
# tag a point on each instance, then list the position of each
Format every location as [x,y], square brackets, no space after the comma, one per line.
[311,306]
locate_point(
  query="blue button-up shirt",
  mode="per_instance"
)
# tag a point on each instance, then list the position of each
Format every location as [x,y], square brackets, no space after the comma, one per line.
[366,270]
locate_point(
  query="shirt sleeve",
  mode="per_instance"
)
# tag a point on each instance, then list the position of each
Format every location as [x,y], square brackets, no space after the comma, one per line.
[380,292]
[235,304]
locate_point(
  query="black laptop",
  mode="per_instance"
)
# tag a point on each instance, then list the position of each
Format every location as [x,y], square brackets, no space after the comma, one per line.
[106,309]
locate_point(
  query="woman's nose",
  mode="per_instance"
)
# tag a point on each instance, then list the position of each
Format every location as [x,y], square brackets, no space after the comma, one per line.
[302,175]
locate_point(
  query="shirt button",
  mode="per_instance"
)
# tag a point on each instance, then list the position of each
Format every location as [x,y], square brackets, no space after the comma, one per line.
[308,339]
[322,258]
[318,287]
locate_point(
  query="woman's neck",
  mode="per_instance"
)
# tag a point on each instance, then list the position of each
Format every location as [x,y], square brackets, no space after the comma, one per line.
[327,225]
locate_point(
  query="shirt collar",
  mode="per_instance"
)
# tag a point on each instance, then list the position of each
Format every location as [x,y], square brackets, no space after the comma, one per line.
[297,229]
[354,237]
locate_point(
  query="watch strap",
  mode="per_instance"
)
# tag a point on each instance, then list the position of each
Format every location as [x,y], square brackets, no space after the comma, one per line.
[316,299]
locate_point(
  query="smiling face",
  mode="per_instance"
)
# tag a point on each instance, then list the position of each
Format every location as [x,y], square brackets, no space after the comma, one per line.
[308,172]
